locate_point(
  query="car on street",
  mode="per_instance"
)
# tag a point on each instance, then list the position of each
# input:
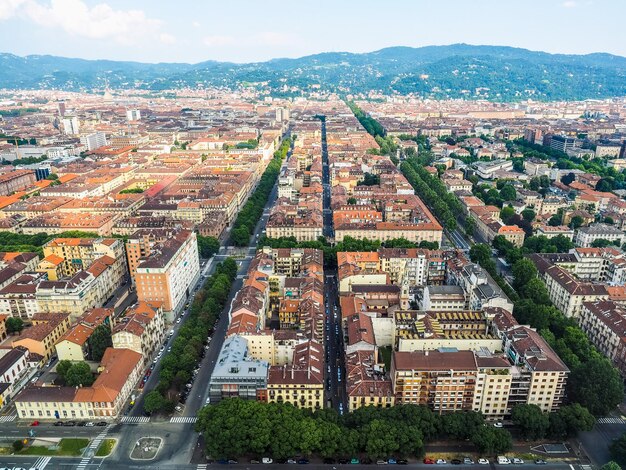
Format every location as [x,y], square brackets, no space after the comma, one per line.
[467,461]
[178,320]
[455,462]
[429,461]
[498,424]
[441,462]
[540,462]
[517,461]
[402,462]
[392,461]
[89,424]
[102,423]
[483,462]
[502,460]
[266,460]
[35,423]
[69,423]
[303,461]
[354,461]
[291,461]
[381,462]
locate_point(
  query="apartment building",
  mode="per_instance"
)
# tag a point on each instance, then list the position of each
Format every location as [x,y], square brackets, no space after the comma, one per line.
[444,298]
[604,322]
[74,344]
[300,383]
[141,329]
[119,372]
[168,273]
[14,367]
[585,236]
[43,334]
[443,381]
[19,299]
[17,180]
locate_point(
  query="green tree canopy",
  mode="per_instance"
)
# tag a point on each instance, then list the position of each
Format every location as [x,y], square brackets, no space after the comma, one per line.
[596,385]
[532,422]
[99,340]
[14,325]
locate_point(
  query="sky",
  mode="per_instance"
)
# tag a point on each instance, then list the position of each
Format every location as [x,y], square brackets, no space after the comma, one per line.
[257,30]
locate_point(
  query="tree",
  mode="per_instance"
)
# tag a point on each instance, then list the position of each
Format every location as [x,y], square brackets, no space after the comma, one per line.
[62,368]
[508,193]
[207,246]
[528,215]
[611,466]
[506,214]
[569,420]
[618,450]
[153,402]
[596,385]
[17,445]
[536,291]
[523,271]
[14,325]
[532,422]
[79,375]
[470,226]
[99,340]
[462,425]
[568,178]
[351,201]
[480,253]
[576,222]
[490,440]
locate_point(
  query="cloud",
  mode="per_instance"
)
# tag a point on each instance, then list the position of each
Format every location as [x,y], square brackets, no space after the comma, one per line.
[76,18]
[271,38]
[8,8]
[166,38]
[218,41]
[569,4]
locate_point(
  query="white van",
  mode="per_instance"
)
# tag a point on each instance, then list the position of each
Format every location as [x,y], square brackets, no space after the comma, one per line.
[502,460]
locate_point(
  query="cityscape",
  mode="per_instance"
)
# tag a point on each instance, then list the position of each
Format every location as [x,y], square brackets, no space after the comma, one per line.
[398,256]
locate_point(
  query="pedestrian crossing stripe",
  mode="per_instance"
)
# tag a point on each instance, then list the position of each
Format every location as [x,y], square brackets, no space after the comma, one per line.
[83,463]
[184,419]
[41,463]
[7,418]
[611,421]
[135,419]
[202,466]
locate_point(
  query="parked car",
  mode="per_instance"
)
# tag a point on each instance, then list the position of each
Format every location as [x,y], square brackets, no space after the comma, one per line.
[467,461]
[502,460]
[455,462]
[266,460]
[429,461]
[483,462]
[381,462]
[498,424]
[343,461]
[102,423]
[441,462]
[291,461]
[329,461]
[69,423]
[254,461]
[89,424]
[303,461]
[540,462]
[403,462]
[391,461]
[35,423]
[517,461]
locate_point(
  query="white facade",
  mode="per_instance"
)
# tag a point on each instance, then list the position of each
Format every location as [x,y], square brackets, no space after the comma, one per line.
[71,126]
[94,140]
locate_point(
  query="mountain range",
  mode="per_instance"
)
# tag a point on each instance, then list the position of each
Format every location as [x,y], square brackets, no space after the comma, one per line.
[454,71]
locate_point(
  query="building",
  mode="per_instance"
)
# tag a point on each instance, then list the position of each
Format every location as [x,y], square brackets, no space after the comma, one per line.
[71,126]
[300,383]
[585,236]
[236,374]
[604,322]
[74,344]
[444,298]
[15,181]
[142,329]
[169,272]
[366,381]
[133,114]
[562,143]
[443,381]
[13,370]
[94,141]
[119,372]
[43,334]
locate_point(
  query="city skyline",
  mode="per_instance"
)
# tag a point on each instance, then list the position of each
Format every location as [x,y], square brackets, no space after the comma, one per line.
[246,31]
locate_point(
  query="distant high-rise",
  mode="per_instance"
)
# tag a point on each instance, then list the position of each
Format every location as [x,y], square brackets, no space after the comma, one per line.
[61,108]
[562,143]
[94,140]
[282,114]
[71,126]
[133,114]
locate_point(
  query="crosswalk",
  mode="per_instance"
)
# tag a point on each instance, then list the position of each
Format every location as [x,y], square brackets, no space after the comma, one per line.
[7,418]
[96,442]
[202,466]
[41,463]
[135,419]
[611,421]
[83,463]
[184,419]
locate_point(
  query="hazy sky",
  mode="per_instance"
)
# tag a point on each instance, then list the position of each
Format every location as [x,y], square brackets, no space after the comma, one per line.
[255,30]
